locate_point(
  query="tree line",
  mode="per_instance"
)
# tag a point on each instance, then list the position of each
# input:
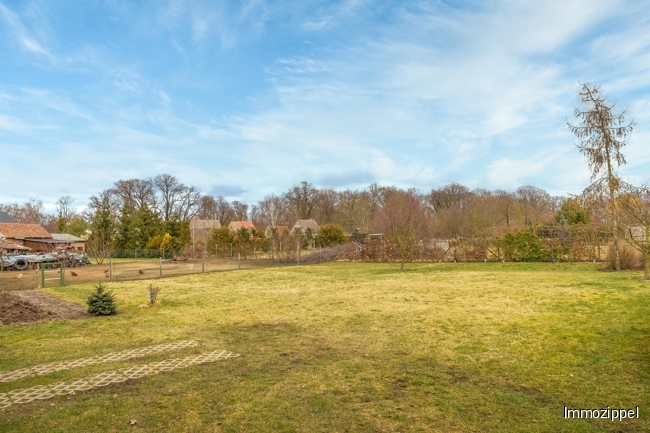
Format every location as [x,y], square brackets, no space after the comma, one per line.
[155,212]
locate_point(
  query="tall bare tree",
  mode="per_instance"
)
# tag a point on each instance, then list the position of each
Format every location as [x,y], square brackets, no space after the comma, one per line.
[136,192]
[302,198]
[602,132]
[270,212]
[177,201]
[170,189]
[30,212]
[240,211]
[403,222]
[534,203]
[224,212]
[65,211]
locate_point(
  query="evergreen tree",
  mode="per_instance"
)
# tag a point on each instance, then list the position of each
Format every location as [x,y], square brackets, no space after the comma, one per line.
[101,242]
[148,225]
[127,232]
[572,213]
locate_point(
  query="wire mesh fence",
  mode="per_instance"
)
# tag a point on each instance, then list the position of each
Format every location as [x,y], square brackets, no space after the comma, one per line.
[128,265]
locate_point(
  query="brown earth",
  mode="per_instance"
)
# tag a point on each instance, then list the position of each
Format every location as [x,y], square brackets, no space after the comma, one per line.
[29,306]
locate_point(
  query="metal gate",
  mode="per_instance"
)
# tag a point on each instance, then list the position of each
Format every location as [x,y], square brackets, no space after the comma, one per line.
[49,269]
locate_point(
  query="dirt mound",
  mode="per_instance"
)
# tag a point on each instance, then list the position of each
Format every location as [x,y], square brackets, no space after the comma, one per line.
[31,306]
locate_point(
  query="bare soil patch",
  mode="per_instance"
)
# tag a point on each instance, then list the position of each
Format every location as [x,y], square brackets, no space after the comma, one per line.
[29,306]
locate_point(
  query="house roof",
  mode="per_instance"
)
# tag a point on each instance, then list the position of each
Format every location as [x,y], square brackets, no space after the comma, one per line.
[280,229]
[238,225]
[10,246]
[48,241]
[204,224]
[23,231]
[5,218]
[307,224]
[67,237]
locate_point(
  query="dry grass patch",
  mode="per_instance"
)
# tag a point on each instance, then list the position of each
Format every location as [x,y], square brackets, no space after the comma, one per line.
[359,347]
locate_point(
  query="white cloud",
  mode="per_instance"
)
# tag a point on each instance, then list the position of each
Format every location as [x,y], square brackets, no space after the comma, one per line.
[21,34]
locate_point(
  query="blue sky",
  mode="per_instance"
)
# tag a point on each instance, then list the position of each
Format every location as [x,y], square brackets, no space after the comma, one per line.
[246,98]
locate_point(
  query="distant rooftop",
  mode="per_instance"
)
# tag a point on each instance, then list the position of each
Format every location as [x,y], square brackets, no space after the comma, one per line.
[5,218]
[67,237]
[23,231]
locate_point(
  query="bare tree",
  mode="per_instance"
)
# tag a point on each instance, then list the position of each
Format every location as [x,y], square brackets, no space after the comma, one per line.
[355,210]
[326,205]
[224,212]
[170,190]
[207,208]
[31,212]
[65,211]
[240,211]
[534,203]
[189,203]
[176,201]
[450,205]
[603,132]
[270,212]
[302,198]
[136,192]
[402,220]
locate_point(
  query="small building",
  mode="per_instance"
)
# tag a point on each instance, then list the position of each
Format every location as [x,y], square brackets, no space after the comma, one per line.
[70,241]
[6,218]
[637,233]
[281,231]
[359,238]
[200,229]
[307,225]
[32,236]
[235,226]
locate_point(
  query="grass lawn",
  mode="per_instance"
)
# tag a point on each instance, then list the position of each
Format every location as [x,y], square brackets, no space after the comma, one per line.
[355,347]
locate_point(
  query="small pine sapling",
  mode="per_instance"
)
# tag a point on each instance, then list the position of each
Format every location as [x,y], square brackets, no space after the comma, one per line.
[101,302]
[153,293]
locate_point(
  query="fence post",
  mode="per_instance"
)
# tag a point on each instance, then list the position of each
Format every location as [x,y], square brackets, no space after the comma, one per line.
[231,251]
[110,269]
[160,262]
[238,261]
[62,280]
[320,259]
[42,274]
[203,263]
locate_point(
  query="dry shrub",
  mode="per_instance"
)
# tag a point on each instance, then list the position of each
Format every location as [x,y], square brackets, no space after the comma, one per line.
[630,258]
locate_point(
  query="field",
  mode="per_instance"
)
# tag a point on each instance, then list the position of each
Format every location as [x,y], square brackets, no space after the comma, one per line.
[486,347]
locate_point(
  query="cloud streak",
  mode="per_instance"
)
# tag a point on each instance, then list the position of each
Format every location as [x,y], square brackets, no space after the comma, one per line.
[262,95]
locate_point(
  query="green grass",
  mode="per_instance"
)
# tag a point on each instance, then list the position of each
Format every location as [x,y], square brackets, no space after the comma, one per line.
[356,347]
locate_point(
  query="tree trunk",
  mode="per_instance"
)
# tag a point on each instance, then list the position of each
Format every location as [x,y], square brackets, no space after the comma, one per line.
[646,254]
[617,254]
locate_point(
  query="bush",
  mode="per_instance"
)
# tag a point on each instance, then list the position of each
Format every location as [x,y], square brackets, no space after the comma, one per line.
[525,246]
[630,258]
[153,293]
[101,302]
[331,234]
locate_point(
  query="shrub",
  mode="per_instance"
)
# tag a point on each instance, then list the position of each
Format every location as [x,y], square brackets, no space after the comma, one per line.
[153,293]
[630,258]
[331,234]
[101,302]
[525,246]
